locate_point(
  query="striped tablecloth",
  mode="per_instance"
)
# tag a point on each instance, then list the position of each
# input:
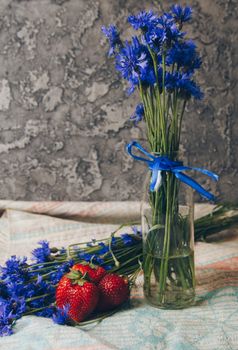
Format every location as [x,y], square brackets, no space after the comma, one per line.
[211,324]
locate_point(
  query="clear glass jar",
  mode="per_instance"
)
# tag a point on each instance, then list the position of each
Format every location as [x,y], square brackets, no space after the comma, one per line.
[168,243]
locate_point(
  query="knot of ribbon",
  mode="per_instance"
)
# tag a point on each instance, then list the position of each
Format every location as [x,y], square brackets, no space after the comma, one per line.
[157,164]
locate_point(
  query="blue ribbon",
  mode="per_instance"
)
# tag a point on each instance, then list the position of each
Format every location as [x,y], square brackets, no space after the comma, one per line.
[157,164]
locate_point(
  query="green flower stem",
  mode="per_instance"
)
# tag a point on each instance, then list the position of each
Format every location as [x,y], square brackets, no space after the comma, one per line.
[37,297]
[163,82]
[160,116]
[165,254]
[49,267]
[180,121]
[32,311]
[43,264]
[129,260]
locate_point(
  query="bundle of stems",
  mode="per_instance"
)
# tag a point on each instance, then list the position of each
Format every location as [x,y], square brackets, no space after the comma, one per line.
[223,217]
[164,113]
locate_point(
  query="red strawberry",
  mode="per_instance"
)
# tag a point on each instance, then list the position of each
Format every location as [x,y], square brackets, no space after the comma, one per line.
[62,291]
[114,290]
[81,296]
[95,273]
[83,300]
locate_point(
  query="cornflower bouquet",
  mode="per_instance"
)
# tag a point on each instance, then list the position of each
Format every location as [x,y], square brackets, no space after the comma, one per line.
[160,64]
[28,286]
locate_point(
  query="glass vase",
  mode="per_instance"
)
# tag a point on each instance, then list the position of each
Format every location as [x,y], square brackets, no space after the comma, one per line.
[168,243]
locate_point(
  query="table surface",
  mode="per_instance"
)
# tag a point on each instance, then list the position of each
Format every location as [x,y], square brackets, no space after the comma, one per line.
[212,323]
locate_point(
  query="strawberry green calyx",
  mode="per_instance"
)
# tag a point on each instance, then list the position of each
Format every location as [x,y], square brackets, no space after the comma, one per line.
[94,273]
[77,277]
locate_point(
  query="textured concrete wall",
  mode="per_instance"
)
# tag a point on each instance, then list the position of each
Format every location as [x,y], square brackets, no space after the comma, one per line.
[64,115]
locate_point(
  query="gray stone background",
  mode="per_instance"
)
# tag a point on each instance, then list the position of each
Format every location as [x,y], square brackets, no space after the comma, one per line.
[64,112]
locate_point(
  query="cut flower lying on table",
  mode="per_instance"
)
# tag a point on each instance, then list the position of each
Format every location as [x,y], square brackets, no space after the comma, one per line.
[70,285]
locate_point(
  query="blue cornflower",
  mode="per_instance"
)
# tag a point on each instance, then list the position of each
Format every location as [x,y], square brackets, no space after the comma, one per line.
[3,290]
[185,86]
[143,20]
[14,270]
[63,250]
[135,64]
[3,300]
[10,310]
[61,271]
[48,312]
[5,328]
[172,34]
[6,319]
[39,279]
[97,260]
[155,38]
[39,289]
[131,60]
[42,301]
[42,286]
[164,35]
[18,306]
[181,14]
[17,288]
[127,239]
[188,88]
[29,289]
[185,55]
[94,258]
[85,256]
[166,20]
[104,248]
[136,231]
[139,113]
[113,241]
[113,37]
[60,316]
[15,277]
[37,303]
[42,254]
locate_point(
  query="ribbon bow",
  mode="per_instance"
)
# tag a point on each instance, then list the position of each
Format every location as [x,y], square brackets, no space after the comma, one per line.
[157,164]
